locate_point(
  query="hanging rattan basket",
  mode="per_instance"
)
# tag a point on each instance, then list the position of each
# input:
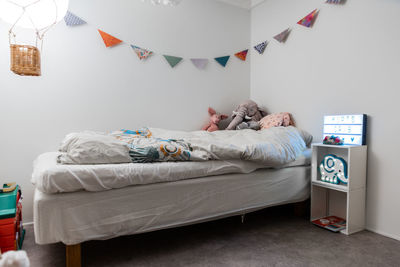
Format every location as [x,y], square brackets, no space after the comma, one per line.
[25,60]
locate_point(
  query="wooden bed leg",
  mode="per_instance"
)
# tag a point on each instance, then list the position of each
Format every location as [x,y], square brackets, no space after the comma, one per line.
[73,256]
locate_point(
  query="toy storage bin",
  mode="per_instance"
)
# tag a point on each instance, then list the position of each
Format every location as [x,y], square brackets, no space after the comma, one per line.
[8,203]
[11,230]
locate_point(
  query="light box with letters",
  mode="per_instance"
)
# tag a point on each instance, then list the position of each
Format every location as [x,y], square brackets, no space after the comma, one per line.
[351,128]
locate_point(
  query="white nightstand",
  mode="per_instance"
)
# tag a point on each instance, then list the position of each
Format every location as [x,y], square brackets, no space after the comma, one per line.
[343,200]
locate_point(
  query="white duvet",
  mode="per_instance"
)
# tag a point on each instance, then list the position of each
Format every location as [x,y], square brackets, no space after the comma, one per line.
[275,146]
[234,152]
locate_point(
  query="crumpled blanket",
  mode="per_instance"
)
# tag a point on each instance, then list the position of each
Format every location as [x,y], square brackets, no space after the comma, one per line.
[144,147]
[273,147]
[156,149]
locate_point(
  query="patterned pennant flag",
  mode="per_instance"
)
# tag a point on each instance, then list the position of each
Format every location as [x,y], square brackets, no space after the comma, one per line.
[282,36]
[200,63]
[260,48]
[141,53]
[173,61]
[242,54]
[333,1]
[73,20]
[308,20]
[109,40]
[222,60]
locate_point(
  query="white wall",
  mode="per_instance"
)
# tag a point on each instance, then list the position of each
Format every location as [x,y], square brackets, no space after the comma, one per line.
[348,62]
[86,86]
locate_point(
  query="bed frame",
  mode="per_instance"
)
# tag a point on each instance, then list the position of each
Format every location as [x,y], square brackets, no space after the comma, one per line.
[261,189]
[73,253]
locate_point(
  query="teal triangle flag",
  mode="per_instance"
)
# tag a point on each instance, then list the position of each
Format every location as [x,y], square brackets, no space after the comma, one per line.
[173,61]
[222,60]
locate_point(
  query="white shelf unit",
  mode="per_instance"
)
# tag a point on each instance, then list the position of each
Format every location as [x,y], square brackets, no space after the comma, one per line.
[343,200]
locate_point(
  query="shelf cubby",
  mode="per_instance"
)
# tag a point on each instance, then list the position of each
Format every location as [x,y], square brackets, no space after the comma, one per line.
[343,200]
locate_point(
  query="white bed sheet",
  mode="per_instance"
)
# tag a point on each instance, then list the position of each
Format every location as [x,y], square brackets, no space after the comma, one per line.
[76,217]
[50,177]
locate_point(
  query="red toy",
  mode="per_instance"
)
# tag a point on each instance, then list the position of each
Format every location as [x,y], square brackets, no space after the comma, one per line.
[215,118]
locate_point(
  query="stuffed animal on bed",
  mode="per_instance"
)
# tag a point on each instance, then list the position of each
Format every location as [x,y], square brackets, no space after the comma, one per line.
[215,118]
[284,119]
[246,116]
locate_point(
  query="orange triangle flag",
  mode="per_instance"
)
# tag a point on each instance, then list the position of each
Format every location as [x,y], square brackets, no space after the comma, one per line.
[242,55]
[109,40]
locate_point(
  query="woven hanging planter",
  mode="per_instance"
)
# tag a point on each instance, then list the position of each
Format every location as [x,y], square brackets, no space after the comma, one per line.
[25,60]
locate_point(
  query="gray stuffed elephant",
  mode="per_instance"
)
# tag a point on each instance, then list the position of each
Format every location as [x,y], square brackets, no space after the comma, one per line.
[246,116]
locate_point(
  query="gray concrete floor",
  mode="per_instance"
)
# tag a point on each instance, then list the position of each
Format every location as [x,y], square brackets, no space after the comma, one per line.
[272,237]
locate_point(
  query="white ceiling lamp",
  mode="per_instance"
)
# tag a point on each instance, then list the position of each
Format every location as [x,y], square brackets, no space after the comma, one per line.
[33,14]
[164,2]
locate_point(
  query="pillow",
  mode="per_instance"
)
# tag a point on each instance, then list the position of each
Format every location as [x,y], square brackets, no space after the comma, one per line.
[307,137]
[84,148]
[276,120]
[73,137]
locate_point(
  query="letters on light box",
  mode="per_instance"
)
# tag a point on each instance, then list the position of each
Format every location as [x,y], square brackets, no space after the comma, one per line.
[351,128]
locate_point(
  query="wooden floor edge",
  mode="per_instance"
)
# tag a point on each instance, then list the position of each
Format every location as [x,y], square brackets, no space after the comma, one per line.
[73,255]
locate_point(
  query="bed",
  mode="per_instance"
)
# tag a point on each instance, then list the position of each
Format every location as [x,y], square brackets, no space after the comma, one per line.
[76,203]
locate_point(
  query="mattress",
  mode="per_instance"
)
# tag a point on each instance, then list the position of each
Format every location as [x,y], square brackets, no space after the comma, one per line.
[50,177]
[76,217]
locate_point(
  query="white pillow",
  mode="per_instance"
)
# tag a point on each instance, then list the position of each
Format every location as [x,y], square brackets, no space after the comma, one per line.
[93,148]
[73,137]
[307,137]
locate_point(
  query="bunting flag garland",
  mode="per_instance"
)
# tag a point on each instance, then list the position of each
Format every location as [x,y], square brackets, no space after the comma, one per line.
[242,54]
[200,63]
[109,40]
[282,36]
[73,20]
[173,61]
[260,48]
[222,60]
[141,53]
[308,20]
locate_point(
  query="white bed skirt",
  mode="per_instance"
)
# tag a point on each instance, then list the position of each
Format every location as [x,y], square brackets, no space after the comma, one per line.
[73,218]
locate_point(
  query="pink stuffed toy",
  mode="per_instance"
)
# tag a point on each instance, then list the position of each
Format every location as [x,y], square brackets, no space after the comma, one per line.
[214,120]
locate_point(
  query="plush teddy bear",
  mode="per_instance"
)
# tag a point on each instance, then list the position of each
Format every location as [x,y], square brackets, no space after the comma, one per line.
[215,118]
[246,116]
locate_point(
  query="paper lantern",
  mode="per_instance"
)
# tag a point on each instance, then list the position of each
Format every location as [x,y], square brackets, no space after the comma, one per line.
[38,14]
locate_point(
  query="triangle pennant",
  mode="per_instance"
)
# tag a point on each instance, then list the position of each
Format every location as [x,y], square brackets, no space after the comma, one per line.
[308,20]
[282,36]
[141,53]
[173,61]
[222,60]
[242,54]
[200,63]
[260,48]
[109,40]
[73,20]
